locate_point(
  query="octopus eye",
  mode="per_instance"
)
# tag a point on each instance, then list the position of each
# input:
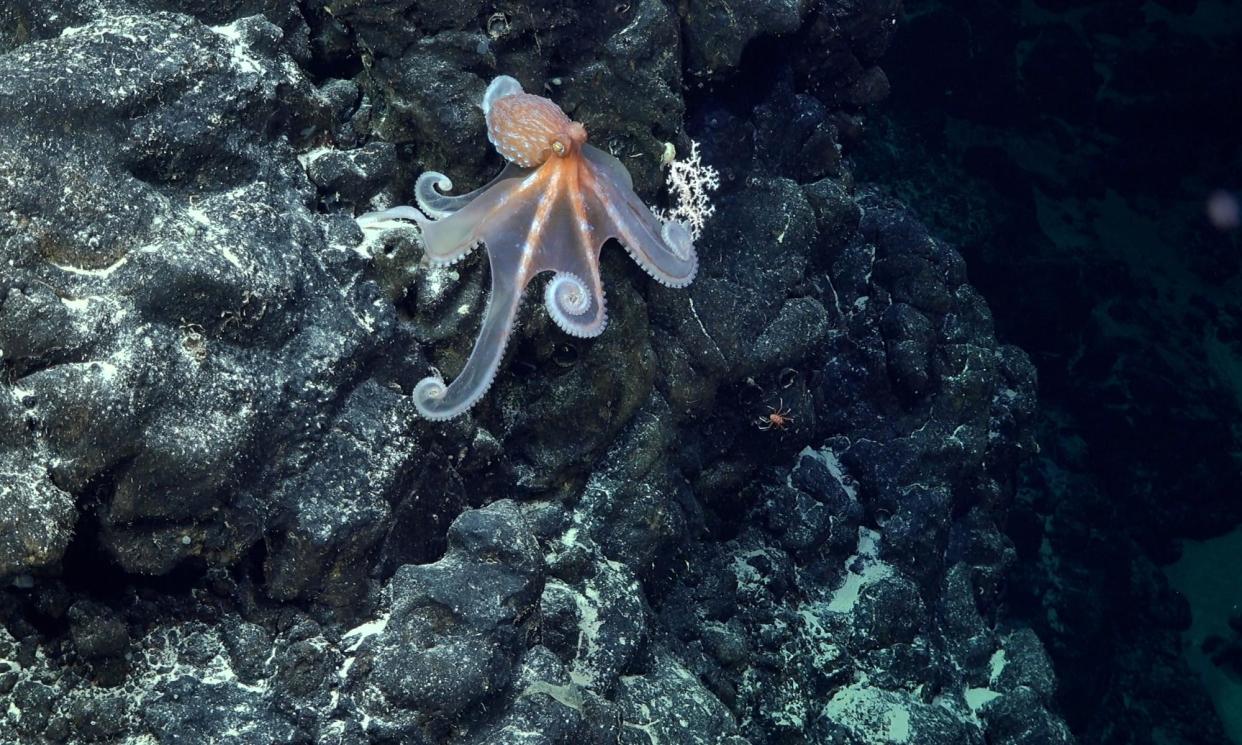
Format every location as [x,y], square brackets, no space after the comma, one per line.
[558,147]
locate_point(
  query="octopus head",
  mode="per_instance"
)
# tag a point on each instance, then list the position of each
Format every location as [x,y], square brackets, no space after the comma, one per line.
[528,129]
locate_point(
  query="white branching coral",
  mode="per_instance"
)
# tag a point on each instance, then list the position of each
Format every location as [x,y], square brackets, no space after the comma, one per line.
[691,183]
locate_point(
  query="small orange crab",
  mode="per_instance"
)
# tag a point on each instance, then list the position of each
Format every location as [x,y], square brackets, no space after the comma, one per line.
[777,418]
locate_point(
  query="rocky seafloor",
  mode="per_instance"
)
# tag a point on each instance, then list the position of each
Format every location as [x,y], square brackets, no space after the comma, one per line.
[1083,144]
[221,519]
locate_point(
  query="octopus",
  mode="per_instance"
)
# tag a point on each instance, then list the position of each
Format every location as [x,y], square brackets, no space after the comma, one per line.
[551,209]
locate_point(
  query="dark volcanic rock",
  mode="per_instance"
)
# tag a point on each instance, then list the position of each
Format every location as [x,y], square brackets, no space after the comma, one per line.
[718,32]
[96,631]
[454,634]
[36,518]
[738,319]
[187,273]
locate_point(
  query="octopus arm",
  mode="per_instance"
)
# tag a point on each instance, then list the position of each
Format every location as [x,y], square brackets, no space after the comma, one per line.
[569,246]
[431,185]
[509,276]
[388,218]
[610,164]
[448,239]
[663,250]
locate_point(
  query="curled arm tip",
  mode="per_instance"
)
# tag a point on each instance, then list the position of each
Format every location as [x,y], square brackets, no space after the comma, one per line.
[429,193]
[430,399]
[575,307]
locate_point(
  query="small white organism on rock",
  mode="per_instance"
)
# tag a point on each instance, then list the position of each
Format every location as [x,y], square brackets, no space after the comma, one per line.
[691,183]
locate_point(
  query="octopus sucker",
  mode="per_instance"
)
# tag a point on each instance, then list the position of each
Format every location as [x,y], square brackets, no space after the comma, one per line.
[551,209]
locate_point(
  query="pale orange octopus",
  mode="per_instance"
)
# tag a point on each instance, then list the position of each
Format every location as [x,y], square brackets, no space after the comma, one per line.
[551,209]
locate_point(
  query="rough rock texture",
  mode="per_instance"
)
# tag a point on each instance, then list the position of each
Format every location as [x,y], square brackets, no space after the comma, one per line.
[718,31]
[222,520]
